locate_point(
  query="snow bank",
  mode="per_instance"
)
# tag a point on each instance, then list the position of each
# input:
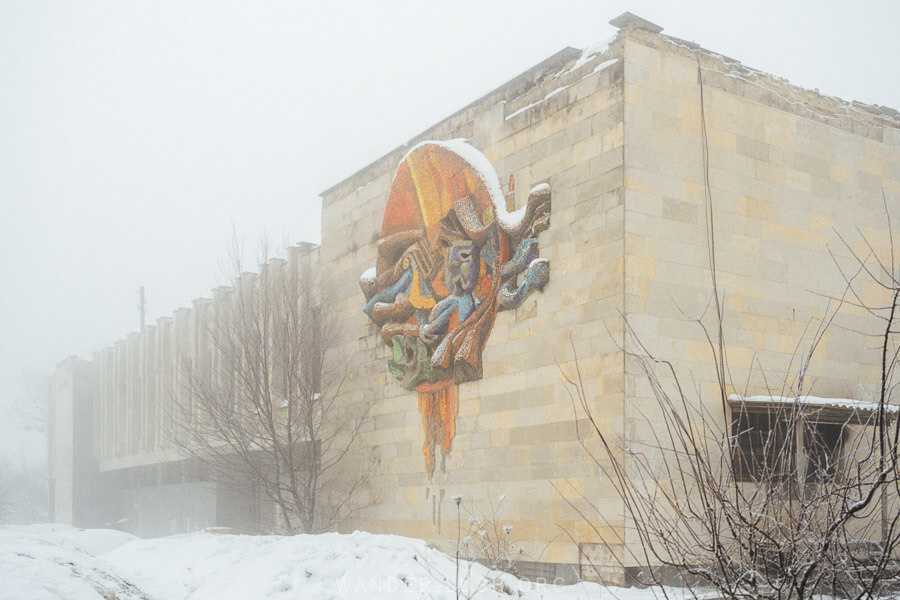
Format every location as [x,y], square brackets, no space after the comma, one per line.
[54,562]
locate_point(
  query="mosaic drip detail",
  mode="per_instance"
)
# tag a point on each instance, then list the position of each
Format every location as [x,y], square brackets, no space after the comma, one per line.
[450,256]
[438,405]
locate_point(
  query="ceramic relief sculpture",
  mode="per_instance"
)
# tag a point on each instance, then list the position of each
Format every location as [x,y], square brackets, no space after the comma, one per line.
[449,257]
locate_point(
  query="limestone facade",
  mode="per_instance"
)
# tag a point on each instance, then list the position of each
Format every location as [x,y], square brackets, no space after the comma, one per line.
[619,137]
[622,137]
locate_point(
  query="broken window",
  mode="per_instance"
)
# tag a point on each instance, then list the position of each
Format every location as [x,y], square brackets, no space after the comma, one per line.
[822,445]
[762,445]
[772,439]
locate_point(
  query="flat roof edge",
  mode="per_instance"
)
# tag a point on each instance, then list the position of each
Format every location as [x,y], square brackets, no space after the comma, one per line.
[554,61]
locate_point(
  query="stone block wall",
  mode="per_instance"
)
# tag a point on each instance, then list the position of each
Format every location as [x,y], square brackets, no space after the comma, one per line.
[789,173]
[787,179]
[516,431]
[635,161]
[619,137]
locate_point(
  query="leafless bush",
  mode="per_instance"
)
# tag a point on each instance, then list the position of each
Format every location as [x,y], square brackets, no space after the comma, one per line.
[485,558]
[487,539]
[23,493]
[260,399]
[783,496]
[31,408]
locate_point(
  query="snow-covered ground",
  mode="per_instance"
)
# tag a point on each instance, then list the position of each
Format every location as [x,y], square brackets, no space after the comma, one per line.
[54,561]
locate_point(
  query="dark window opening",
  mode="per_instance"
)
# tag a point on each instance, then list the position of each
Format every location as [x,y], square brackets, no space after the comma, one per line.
[762,446]
[822,444]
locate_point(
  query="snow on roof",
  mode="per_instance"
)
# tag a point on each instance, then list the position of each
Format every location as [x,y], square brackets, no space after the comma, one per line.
[533,104]
[847,404]
[601,66]
[586,57]
[806,99]
[588,53]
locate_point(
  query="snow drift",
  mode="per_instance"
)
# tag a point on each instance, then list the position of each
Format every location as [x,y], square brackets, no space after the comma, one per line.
[60,562]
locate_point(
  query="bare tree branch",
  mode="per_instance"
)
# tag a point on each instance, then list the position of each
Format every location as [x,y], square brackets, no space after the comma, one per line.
[260,397]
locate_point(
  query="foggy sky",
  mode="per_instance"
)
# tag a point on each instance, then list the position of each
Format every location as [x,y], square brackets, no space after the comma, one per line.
[135,135]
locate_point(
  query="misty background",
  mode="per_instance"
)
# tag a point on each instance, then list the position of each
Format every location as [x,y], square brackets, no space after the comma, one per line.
[135,137]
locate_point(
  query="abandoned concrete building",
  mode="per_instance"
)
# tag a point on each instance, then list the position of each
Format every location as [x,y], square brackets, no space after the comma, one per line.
[497,248]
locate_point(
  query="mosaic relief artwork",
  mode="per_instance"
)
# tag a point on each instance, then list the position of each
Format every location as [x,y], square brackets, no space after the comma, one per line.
[450,256]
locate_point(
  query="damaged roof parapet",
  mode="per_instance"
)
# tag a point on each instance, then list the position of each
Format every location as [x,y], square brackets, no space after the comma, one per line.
[543,84]
[859,118]
[626,20]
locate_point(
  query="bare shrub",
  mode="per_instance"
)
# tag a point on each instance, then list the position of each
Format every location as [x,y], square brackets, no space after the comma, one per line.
[779,496]
[260,399]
